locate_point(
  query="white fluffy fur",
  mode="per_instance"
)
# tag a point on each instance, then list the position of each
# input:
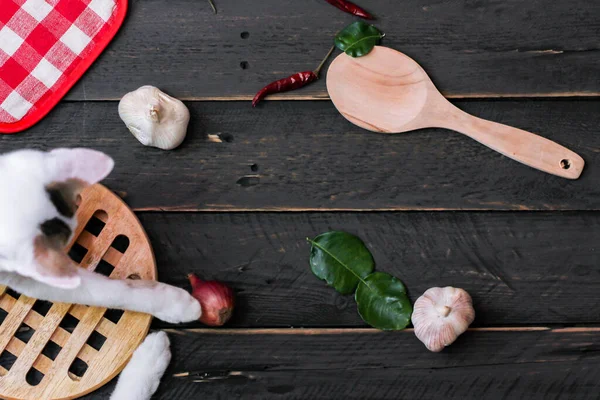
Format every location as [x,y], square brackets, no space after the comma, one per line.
[25,205]
[140,379]
[166,302]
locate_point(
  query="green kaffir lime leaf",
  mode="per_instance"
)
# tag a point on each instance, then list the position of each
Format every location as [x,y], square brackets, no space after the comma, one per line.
[358,39]
[383,303]
[340,259]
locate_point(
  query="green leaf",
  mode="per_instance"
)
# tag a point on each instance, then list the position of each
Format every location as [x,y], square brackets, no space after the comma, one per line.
[383,303]
[340,259]
[358,39]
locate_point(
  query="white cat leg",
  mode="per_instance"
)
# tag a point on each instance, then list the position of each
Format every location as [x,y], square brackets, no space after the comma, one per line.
[140,378]
[166,302]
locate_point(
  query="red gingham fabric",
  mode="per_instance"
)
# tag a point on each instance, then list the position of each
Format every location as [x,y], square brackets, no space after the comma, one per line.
[45,47]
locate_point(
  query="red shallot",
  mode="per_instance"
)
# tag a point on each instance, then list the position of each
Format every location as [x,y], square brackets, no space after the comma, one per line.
[217,300]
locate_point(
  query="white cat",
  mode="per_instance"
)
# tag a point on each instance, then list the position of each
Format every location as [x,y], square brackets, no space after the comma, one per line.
[38,191]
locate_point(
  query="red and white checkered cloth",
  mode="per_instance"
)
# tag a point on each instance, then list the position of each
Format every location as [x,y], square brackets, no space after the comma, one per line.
[45,47]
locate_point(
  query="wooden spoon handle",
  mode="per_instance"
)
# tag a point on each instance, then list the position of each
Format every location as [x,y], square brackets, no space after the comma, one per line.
[522,146]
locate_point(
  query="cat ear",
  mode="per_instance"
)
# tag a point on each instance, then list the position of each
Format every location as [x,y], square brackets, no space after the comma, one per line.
[52,266]
[87,165]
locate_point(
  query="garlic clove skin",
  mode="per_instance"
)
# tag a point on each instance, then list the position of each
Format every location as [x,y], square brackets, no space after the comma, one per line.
[155,118]
[440,315]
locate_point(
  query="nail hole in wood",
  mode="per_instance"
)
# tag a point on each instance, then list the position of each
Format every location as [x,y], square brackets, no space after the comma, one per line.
[248,181]
[254,167]
[244,65]
[245,35]
[565,164]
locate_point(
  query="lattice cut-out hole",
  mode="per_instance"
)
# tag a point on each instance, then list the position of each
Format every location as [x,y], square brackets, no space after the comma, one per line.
[96,223]
[7,359]
[3,314]
[12,293]
[69,322]
[104,268]
[25,332]
[51,350]
[121,243]
[77,369]
[34,377]
[77,253]
[42,307]
[113,315]
[96,340]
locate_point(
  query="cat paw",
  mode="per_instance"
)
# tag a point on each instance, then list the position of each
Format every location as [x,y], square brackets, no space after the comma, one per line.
[178,306]
[141,377]
[154,351]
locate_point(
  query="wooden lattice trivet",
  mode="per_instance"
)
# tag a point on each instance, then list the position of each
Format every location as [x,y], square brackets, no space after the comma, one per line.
[110,236]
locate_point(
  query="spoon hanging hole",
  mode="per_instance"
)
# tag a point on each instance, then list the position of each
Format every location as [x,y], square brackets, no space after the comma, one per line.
[565,164]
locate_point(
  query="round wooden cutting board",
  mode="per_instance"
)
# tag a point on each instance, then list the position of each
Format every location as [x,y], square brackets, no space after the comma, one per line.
[58,363]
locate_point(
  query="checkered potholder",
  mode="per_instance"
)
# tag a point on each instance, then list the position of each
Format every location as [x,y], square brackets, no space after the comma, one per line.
[45,47]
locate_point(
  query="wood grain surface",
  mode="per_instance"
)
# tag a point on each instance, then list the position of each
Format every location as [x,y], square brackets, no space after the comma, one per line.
[349,364]
[236,201]
[521,268]
[298,156]
[119,338]
[475,48]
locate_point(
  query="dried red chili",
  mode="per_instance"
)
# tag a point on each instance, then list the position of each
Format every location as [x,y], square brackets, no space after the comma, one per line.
[292,82]
[351,8]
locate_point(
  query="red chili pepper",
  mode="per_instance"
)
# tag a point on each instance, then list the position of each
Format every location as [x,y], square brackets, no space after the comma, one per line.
[292,82]
[351,8]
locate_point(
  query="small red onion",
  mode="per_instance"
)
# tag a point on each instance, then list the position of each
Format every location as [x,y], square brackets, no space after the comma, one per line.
[217,300]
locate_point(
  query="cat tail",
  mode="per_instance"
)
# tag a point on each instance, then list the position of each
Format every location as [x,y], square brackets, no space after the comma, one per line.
[140,378]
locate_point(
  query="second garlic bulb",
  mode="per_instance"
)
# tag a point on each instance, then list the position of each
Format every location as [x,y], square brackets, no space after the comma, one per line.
[440,315]
[154,118]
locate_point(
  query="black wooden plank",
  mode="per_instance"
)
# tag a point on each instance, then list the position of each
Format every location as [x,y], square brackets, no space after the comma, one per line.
[521,268]
[540,364]
[473,48]
[305,156]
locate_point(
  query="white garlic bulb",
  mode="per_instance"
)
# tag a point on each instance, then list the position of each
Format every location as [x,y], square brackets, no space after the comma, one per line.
[155,118]
[440,315]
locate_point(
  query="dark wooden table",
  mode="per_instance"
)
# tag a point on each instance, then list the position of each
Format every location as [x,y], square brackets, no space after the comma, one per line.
[434,207]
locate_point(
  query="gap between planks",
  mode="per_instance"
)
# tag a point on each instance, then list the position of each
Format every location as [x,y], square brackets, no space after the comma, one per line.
[341,331]
[325,96]
[224,209]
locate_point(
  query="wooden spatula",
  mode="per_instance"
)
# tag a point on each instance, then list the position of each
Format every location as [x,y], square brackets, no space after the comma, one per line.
[387,91]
